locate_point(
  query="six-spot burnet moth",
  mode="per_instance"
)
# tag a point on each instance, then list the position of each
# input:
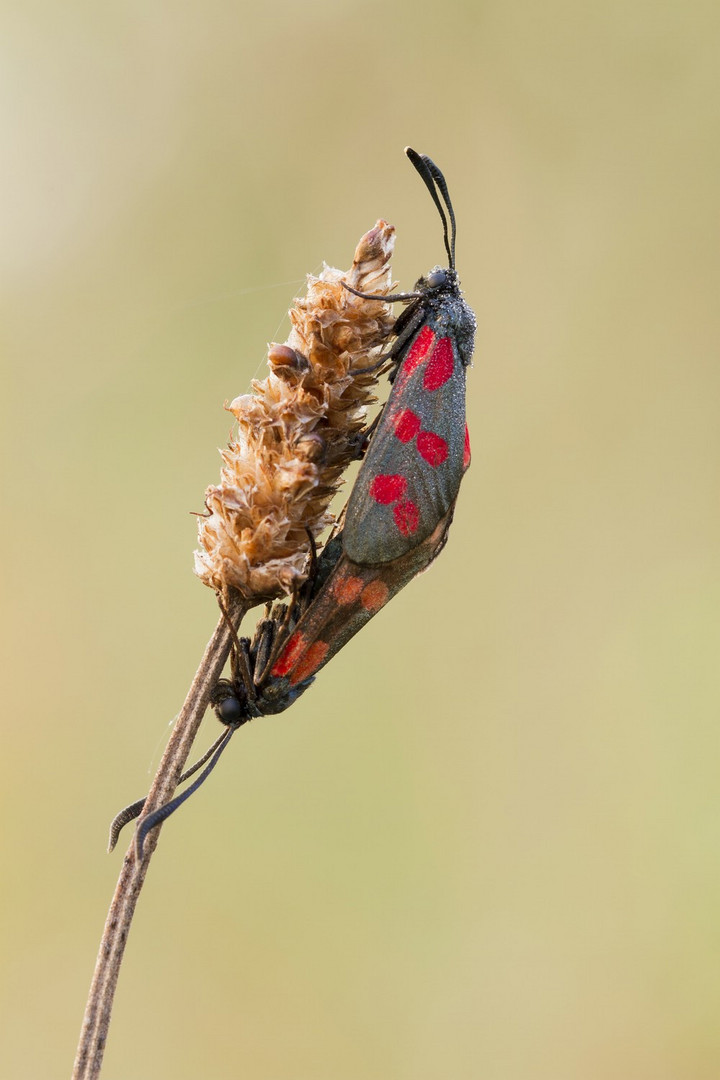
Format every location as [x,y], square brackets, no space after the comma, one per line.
[401,505]
[417,456]
[289,647]
[397,517]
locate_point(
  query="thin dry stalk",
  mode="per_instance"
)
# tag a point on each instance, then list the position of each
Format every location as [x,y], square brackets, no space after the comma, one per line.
[96,1022]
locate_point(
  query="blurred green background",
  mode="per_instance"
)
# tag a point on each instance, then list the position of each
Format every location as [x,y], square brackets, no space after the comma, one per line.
[487,842]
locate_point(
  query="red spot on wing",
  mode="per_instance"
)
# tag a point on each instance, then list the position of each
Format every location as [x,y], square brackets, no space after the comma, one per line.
[407,425]
[407,517]
[288,656]
[310,662]
[466,450]
[432,447]
[347,589]
[441,365]
[387,489]
[418,351]
[374,596]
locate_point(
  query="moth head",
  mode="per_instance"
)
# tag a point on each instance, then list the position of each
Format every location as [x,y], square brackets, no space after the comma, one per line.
[437,280]
[229,700]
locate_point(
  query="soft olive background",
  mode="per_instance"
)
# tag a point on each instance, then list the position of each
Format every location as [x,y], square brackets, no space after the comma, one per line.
[487,842]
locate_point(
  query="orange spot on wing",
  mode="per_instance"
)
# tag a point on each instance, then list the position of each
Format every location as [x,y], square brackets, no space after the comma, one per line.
[347,589]
[374,596]
[310,662]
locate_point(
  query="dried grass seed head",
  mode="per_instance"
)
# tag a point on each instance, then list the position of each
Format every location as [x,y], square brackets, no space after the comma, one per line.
[297,431]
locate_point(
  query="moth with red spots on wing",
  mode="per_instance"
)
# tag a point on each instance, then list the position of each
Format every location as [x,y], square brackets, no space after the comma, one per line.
[420,449]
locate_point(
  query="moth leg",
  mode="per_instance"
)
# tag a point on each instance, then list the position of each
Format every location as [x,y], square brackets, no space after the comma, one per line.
[313,556]
[277,634]
[241,666]
[364,437]
[373,367]
[240,658]
[390,299]
[263,645]
[405,327]
[360,440]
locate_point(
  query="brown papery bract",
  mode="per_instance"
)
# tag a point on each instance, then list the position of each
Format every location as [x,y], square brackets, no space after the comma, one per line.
[298,431]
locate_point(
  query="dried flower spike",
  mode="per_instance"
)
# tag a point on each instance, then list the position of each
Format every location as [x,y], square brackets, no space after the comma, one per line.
[298,431]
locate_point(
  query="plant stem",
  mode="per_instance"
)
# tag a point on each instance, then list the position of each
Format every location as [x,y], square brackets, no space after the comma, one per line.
[96,1022]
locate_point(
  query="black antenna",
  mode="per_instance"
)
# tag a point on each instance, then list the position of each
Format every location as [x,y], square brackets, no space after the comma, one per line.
[442,184]
[135,809]
[432,176]
[158,816]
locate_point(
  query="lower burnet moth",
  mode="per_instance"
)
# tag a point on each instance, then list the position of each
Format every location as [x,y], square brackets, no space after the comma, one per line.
[289,649]
[290,645]
[396,520]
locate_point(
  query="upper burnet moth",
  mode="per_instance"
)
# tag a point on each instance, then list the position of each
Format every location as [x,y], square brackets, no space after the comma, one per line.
[420,449]
[401,505]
